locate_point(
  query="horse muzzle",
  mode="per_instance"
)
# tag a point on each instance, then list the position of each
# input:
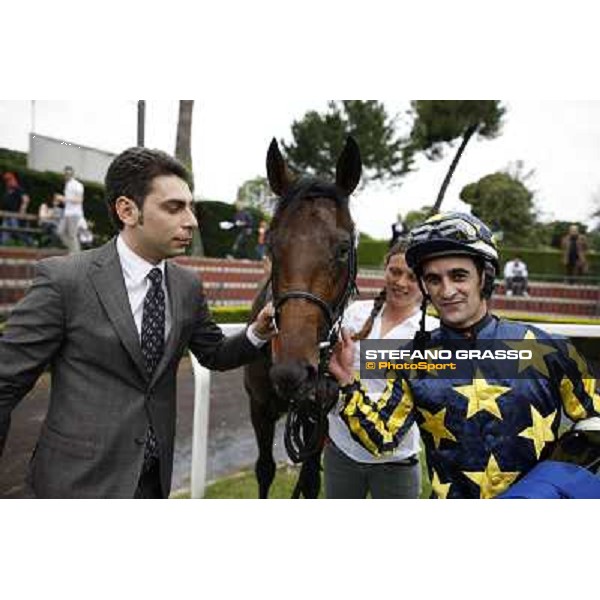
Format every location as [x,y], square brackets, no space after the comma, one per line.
[294,380]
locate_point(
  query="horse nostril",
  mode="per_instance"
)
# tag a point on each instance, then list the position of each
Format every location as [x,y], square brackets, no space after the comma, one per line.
[288,377]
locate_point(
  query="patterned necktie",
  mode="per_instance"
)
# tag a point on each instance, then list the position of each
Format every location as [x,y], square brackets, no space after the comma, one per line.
[153,322]
[153,343]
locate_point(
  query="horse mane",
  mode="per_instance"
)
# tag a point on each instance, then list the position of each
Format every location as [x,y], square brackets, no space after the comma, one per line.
[263,296]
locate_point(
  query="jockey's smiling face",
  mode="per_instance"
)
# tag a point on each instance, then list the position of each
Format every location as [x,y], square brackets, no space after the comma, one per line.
[454,285]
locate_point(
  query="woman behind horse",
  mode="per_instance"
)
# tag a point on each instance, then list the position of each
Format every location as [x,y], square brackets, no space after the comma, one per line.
[350,471]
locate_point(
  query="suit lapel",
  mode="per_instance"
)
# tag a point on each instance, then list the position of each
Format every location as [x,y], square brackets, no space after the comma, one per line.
[175,287]
[107,279]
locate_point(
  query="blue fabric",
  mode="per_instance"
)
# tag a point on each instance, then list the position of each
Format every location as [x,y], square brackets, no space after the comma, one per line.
[555,480]
[484,434]
[478,450]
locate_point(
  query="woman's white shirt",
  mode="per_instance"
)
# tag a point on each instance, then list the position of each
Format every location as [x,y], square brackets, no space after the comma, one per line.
[354,318]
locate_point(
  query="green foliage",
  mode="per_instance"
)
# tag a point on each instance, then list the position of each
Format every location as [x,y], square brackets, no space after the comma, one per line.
[416,217]
[540,261]
[42,185]
[503,203]
[552,233]
[546,262]
[364,237]
[318,140]
[438,122]
[256,193]
[371,253]
[18,159]
[594,240]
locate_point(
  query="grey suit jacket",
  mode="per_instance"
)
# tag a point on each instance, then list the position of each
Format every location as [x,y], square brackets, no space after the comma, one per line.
[77,319]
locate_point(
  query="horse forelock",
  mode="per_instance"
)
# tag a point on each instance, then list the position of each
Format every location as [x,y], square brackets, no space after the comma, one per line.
[306,188]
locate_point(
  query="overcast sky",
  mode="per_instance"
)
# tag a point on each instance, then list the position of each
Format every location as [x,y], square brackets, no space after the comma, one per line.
[560,140]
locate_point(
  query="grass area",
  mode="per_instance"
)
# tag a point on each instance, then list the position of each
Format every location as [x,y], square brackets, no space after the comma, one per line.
[243,485]
[513,315]
[537,318]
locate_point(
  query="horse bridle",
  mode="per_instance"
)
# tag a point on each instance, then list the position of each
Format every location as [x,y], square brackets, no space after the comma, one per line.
[299,421]
[333,316]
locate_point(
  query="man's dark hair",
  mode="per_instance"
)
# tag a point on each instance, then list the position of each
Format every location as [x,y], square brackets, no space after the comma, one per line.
[131,173]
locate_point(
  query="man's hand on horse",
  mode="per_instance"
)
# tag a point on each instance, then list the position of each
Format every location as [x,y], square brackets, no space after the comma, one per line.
[340,363]
[264,324]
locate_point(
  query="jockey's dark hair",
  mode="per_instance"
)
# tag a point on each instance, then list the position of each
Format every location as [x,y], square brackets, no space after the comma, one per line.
[399,247]
[131,174]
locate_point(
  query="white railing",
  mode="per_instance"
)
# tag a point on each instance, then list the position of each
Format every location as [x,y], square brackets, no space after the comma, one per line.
[569,329]
[201,414]
[202,397]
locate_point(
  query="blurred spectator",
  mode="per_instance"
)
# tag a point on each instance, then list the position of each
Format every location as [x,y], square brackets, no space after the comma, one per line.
[84,234]
[515,276]
[243,222]
[14,200]
[574,246]
[261,240]
[49,217]
[73,213]
[398,230]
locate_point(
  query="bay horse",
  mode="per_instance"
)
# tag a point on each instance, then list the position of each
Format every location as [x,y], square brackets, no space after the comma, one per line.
[312,248]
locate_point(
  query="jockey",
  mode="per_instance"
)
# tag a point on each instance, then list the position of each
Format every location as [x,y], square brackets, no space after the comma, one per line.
[490,423]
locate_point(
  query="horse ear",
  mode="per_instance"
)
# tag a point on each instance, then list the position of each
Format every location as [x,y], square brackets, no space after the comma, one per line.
[349,166]
[277,172]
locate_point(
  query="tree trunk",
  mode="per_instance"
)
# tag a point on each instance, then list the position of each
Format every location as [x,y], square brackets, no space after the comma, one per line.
[183,152]
[183,144]
[466,137]
[141,122]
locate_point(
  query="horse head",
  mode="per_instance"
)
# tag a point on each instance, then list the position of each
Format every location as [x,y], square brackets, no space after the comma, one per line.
[313,255]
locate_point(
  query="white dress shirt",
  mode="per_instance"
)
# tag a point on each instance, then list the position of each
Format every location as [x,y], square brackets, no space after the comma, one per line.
[135,272]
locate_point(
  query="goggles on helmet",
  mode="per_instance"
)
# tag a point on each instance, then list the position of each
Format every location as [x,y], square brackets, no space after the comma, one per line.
[457,229]
[452,233]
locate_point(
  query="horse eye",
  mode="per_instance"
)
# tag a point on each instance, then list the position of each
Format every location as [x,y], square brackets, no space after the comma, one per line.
[343,251]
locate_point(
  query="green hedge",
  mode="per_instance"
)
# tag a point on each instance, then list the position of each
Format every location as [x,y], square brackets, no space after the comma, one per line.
[372,252]
[241,314]
[230,314]
[546,262]
[42,185]
[19,159]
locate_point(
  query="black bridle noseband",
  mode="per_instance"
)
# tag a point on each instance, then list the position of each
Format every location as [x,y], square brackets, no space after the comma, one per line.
[306,422]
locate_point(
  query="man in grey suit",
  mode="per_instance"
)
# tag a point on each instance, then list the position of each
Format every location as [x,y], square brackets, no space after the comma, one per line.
[112,323]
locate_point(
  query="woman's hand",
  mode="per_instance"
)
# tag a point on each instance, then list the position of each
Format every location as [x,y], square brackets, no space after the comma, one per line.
[342,358]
